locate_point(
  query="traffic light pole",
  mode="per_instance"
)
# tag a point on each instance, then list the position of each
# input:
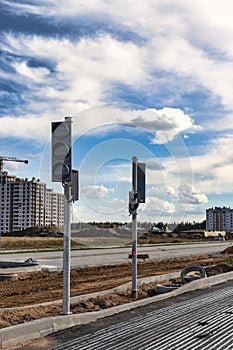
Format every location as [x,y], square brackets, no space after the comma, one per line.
[66,249]
[62,172]
[134,231]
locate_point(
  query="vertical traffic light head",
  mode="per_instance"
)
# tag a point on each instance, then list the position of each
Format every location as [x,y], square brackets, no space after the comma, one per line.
[133,202]
[61,151]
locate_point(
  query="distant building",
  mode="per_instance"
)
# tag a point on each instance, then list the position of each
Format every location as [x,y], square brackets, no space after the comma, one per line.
[219,219]
[26,203]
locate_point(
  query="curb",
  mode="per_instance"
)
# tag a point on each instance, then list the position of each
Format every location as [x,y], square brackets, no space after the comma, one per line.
[16,270]
[19,334]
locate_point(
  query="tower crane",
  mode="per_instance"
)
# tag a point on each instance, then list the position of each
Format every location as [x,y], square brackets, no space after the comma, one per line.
[10,159]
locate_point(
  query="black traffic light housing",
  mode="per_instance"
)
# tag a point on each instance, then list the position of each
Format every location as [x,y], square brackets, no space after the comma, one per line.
[61,151]
[133,202]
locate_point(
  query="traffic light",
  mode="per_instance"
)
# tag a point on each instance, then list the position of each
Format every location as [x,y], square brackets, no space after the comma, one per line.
[133,202]
[61,151]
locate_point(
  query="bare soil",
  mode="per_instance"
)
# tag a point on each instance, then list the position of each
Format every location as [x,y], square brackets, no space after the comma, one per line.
[38,287]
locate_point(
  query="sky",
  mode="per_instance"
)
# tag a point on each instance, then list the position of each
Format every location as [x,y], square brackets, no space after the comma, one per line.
[150,79]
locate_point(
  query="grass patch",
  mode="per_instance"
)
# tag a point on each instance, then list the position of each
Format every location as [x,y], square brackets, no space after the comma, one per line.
[229,261]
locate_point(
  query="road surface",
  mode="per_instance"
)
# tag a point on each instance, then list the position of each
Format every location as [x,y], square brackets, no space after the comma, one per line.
[98,257]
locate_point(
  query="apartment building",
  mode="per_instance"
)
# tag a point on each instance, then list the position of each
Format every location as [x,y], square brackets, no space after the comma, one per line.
[54,208]
[26,203]
[219,219]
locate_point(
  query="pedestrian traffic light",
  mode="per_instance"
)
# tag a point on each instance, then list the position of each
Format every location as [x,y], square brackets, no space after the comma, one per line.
[61,151]
[133,202]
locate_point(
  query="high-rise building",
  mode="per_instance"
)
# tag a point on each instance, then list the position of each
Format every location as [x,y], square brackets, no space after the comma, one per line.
[219,219]
[27,203]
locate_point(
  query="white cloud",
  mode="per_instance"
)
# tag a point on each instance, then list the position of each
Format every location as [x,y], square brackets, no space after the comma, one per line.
[84,66]
[95,191]
[188,40]
[187,194]
[155,206]
[163,190]
[170,122]
[178,55]
[154,164]
[26,127]
[150,119]
[165,124]
[213,169]
[180,41]
[36,74]
[181,200]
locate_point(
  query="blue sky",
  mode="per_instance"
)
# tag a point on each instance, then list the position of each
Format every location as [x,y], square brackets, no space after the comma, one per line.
[151,79]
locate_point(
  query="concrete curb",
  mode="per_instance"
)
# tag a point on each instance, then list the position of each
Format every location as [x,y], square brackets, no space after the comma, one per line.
[17,270]
[19,334]
[28,269]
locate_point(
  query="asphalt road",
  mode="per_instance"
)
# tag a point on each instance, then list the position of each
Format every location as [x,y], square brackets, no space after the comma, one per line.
[98,257]
[200,320]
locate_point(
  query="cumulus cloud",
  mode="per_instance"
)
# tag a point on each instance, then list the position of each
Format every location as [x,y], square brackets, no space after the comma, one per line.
[212,170]
[95,191]
[154,164]
[94,118]
[187,194]
[155,206]
[165,123]
[163,190]
[26,127]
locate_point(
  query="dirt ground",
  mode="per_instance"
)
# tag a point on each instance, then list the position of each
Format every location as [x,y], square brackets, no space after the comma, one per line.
[39,287]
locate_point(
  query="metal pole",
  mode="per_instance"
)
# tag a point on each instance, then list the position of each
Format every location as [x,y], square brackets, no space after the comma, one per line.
[66,249]
[134,231]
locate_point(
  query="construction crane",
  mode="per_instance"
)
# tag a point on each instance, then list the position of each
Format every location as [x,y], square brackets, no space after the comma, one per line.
[10,159]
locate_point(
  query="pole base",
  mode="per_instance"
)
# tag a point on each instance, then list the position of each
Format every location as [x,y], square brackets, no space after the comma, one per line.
[63,313]
[134,294]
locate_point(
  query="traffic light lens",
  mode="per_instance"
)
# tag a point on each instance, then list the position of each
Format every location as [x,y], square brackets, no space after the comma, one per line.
[135,195]
[61,131]
[61,170]
[59,150]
